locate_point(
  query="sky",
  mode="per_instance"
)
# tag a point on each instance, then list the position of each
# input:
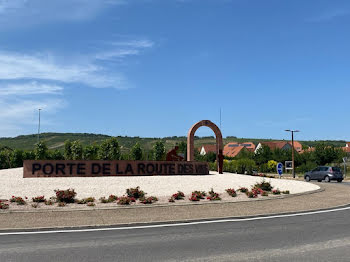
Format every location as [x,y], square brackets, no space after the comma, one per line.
[153,68]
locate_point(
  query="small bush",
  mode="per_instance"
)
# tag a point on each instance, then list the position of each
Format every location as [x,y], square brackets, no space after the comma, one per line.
[135,192]
[49,202]
[91,204]
[179,195]
[251,194]
[18,200]
[276,192]
[124,200]
[213,195]
[66,196]
[231,192]
[266,186]
[194,197]
[4,205]
[199,194]
[35,205]
[286,192]
[39,199]
[243,189]
[148,200]
[171,200]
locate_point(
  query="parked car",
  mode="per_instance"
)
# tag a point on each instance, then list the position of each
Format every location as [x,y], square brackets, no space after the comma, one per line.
[326,173]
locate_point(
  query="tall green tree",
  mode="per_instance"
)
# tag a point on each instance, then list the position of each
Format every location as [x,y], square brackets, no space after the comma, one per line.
[76,150]
[159,150]
[136,152]
[109,150]
[41,151]
[68,150]
[90,152]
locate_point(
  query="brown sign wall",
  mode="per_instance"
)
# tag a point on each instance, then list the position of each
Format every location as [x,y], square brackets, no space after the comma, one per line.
[90,168]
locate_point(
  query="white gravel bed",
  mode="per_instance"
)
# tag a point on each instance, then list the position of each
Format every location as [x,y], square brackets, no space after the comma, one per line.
[13,183]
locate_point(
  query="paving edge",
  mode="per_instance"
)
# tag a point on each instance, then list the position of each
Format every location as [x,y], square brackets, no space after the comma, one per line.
[161,205]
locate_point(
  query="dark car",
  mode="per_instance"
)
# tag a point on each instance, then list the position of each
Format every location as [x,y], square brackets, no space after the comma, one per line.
[326,173]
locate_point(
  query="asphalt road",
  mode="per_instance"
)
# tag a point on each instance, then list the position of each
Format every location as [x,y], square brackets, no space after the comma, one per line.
[318,237]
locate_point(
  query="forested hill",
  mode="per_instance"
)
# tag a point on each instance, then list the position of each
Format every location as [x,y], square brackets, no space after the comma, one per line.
[56,140]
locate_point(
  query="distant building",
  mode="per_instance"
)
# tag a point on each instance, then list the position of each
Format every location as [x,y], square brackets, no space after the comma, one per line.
[233,149]
[281,145]
[205,149]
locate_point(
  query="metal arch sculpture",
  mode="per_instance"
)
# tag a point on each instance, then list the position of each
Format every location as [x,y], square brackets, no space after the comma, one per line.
[219,143]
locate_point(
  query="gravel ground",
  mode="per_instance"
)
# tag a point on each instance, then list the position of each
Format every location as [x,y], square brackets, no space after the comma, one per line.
[13,183]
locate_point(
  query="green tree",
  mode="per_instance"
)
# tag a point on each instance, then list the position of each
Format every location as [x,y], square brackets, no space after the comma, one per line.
[159,150]
[327,154]
[56,155]
[68,150]
[16,158]
[41,151]
[90,152]
[136,152]
[263,155]
[76,150]
[109,150]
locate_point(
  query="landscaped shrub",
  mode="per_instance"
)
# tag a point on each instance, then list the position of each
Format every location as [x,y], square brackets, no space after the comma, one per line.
[4,205]
[276,192]
[199,194]
[135,192]
[266,186]
[91,204]
[245,166]
[125,200]
[86,200]
[194,197]
[39,199]
[231,192]
[179,195]
[66,196]
[251,194]
[18,200]
[213,195]
[49,202]
[243,189]
[148,200]
[35,205]
[286,192]
[109,150]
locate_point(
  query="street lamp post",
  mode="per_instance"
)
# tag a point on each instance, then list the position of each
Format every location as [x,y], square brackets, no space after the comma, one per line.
[39,126]
[292,131]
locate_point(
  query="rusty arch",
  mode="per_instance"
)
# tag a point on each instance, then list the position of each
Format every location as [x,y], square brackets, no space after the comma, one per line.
[219,143]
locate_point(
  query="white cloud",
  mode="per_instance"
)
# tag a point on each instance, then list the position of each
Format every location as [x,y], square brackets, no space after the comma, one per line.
[15,66]
[31,88]
[14,12]
[16,115]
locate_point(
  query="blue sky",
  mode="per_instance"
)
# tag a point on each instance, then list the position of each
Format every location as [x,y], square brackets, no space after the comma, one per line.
[152,68]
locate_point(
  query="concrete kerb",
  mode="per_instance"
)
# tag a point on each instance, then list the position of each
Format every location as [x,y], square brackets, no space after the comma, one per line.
[6,211]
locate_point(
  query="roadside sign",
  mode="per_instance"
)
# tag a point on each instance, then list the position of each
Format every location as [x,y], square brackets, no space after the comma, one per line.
[289,165]
[279,169]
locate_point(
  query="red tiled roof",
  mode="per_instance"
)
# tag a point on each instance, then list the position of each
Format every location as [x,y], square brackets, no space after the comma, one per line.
[232,151]
[274,144]
[297,146]
[346,149]
[208,148]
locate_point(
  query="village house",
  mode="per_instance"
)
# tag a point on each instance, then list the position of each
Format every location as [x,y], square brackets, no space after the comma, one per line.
[281,145]
[233,149]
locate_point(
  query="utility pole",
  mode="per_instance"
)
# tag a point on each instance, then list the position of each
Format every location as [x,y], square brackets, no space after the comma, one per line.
[292,131]
[39,126]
